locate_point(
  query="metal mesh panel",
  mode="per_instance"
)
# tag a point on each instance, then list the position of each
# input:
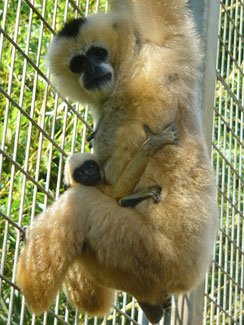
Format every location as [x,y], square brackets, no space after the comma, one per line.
[224,283]
[38,128]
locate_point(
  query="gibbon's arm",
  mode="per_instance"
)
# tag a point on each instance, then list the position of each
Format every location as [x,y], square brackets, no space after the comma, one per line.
[135,168]
[153,16]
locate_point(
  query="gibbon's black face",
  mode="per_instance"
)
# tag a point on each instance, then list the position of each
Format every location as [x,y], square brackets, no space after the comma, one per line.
[93,64]
[88,173]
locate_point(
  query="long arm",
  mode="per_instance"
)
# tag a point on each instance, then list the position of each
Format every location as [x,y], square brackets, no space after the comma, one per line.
[151,17]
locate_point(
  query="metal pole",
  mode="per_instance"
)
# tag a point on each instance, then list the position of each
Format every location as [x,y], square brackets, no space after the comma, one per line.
[188,309]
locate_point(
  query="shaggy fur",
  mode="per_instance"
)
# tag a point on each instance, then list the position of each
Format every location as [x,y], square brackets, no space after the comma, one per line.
[154,249]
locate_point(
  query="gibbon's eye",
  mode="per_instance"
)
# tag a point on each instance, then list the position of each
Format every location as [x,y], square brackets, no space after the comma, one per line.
[98,53]
[78,63]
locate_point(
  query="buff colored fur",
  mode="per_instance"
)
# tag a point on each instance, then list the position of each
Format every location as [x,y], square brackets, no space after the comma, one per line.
[153,249]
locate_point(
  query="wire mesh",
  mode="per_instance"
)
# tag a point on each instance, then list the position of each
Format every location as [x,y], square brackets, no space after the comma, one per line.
[224,283]
[39,128]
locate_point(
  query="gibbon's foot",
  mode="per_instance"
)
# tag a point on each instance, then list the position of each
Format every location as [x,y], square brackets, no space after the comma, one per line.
[135,198]
[153,313]
[169,135]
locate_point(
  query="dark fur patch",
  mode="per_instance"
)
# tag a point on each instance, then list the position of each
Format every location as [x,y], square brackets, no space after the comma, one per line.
[71,28]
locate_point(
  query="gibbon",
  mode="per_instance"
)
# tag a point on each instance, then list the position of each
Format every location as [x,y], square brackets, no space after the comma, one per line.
[136,66]
[84,168]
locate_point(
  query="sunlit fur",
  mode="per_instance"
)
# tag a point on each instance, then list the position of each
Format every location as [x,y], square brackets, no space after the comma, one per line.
[153,249]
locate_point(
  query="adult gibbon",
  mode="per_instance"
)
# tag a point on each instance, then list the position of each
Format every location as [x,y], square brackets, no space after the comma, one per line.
[135,67]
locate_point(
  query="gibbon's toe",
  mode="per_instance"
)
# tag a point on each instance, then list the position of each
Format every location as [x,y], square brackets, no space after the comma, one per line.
[167,303]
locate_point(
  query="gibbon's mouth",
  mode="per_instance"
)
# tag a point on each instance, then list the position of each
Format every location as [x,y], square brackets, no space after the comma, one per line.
[99,82]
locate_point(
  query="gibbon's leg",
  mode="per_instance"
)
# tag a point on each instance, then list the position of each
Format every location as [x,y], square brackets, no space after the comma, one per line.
[53,241]
[135,198]
[84,294]
[121,242]
[131,174]
[121,252]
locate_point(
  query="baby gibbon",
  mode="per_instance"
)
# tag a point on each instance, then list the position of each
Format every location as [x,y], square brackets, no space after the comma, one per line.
[84,168]
[135,67]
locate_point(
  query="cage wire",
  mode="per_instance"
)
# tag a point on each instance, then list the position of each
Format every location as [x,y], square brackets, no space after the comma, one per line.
[38,128]
[224,299]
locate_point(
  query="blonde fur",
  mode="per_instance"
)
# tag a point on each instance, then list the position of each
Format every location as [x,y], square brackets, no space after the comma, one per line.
[153,249]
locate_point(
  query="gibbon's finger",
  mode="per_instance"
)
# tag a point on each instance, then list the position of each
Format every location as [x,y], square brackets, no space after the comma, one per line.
[23,234]
[91,136]
[53,241]
[84,294]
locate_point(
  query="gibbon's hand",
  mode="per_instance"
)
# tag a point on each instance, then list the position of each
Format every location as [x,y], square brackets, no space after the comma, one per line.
[135,198]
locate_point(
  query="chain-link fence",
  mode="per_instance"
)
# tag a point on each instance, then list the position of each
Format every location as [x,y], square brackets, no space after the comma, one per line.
[225,282]
[38,128]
